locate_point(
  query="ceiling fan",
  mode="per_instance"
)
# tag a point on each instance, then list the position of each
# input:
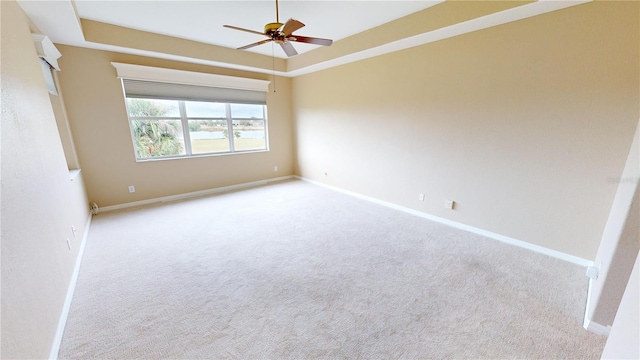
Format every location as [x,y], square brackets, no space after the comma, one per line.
[283,35]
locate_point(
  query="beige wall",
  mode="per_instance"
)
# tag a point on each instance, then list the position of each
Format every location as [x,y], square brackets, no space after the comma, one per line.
[39,202]
[523,125]
[96,111]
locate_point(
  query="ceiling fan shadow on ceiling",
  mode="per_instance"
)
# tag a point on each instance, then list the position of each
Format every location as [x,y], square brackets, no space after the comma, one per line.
[282,34]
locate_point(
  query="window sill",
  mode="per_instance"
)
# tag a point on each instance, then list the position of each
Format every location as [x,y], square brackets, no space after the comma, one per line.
[182,157]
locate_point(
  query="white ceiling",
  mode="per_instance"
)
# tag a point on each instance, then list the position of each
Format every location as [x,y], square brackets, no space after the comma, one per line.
[202,20]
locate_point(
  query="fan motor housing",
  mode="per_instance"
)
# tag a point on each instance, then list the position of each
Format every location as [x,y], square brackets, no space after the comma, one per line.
[270,28]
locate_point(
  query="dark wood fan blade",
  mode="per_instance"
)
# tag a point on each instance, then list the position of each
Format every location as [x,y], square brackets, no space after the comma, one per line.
[245,30]
[288,48]
[290,26]
[310,40]
[255,44]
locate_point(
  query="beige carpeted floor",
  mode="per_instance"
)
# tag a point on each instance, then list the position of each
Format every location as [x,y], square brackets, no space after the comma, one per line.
[296,271]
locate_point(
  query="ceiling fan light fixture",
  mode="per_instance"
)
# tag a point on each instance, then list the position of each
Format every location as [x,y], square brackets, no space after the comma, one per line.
[283,35]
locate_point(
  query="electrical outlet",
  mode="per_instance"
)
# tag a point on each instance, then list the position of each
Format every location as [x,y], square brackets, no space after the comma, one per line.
[132,189]
[449,204]
[275,168]
[421,197]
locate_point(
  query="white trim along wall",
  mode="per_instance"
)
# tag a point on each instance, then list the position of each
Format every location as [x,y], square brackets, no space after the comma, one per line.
[64,315]
[523,244]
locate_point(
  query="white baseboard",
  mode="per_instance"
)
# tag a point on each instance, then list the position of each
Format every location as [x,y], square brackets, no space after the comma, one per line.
[589,325]
[523,244]
[587,306]
[62,322]
[597,328]
[193,194]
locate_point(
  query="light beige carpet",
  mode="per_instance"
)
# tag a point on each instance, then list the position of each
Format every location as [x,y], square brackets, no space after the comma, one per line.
[296,271]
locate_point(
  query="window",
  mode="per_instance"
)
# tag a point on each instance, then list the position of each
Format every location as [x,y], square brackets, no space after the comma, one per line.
[175,113]
[172,128]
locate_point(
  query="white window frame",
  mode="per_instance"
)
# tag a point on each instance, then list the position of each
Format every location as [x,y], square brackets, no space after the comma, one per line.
[184,121]
[154,74]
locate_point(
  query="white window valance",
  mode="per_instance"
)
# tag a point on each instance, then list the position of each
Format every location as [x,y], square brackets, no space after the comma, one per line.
[150,73]
[153,82]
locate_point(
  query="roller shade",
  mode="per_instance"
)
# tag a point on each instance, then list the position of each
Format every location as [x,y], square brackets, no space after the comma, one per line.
[162,83]
[163,90]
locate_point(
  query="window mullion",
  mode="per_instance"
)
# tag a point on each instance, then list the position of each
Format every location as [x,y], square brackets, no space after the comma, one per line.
[185,128]
[266,128]
[227,109]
